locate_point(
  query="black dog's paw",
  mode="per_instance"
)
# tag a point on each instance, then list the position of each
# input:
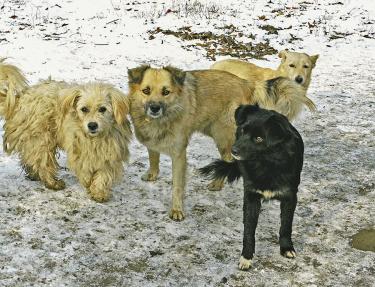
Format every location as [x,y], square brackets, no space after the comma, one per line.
[288,252]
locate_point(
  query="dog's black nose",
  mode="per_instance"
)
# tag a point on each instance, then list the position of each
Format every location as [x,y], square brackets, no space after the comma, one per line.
[299,79]
[92,126]
[235,151]
[154,107]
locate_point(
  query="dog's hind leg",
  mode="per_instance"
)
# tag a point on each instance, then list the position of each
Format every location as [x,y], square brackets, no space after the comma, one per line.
[42,165]
[30,173]
[224,141]
[153,171]
[287,206]
[251,210]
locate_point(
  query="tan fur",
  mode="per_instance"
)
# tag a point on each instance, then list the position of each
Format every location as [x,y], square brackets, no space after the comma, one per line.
[302,66]
[12,83]
[48,117]
[198,101]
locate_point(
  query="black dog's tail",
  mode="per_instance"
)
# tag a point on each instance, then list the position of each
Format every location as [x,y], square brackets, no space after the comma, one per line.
[220,169]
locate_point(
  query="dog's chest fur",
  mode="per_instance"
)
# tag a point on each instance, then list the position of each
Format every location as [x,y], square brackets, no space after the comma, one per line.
[165,136]
[270,194]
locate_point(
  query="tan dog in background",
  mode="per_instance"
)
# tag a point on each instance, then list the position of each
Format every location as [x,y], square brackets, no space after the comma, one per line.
[87,121]
[294,66]
[168,105]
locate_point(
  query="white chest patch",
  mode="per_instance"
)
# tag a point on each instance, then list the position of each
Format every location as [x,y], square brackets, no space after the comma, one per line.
[268,194]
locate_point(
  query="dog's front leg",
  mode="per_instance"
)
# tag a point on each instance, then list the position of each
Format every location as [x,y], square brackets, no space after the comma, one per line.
[153,171]
[178,182]
[251,210]
[100,187]
[287,206]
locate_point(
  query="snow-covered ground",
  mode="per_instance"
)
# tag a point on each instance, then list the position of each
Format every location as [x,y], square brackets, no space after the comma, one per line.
[63,238]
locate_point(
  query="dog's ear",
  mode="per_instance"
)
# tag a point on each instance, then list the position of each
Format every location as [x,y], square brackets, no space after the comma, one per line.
[135,75]
[178,75]
[313,59]
[243,111]
[283,54]
[240,115]
[68,99]
[277,129]
[120,105]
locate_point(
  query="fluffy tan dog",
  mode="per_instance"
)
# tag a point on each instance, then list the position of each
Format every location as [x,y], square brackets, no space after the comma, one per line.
[168,105]
[87,121]
[294,66]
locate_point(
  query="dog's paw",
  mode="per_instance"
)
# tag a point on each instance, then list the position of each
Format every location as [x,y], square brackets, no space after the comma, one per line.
[99,195]
[216,185]
[149,176]
[58,184]
[244,263]
[289,253]
[176,214]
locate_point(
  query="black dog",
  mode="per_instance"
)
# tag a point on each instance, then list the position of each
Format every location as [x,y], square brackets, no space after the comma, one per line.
[268,154]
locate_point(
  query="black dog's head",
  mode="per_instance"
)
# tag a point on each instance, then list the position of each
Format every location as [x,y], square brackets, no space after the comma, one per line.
[258,131]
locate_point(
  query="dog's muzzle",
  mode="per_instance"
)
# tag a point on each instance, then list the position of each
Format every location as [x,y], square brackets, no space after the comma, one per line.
[154,109]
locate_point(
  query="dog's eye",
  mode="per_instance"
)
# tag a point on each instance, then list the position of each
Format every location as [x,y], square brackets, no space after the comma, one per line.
[258,139]
[165,92]
[305,66]
[102,109]
[84,110]
[292,65]
[146,91]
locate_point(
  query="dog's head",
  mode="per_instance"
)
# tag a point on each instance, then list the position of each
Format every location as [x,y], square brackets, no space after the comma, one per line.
[157,91]
[258,130]
[12,83]
[97,106]
[297,66]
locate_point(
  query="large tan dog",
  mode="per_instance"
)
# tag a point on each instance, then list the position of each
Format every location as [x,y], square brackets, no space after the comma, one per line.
[87,121]
[168,105]
[294,66]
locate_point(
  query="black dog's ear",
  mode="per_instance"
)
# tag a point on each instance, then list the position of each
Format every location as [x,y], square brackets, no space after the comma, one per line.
[277,130]
[242,111]
[135,75]
[178,75]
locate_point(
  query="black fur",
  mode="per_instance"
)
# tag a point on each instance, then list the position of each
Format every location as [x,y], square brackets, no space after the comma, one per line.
[270,158]
[222,169]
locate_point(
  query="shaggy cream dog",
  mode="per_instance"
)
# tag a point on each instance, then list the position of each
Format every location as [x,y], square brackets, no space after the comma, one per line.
[87,121]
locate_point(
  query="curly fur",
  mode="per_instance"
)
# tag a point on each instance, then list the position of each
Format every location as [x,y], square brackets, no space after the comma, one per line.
[48,116]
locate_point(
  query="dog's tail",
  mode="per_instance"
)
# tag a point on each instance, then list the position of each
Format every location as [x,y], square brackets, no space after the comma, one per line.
[284,96]
[220,169]
[12,83]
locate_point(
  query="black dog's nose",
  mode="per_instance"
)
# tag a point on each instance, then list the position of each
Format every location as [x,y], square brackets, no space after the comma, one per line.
[154,107]
[299,79]
[235,151]
[92,126]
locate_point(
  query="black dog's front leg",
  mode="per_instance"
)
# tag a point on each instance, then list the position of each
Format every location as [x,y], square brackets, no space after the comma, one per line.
[287,206]
[251,210]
